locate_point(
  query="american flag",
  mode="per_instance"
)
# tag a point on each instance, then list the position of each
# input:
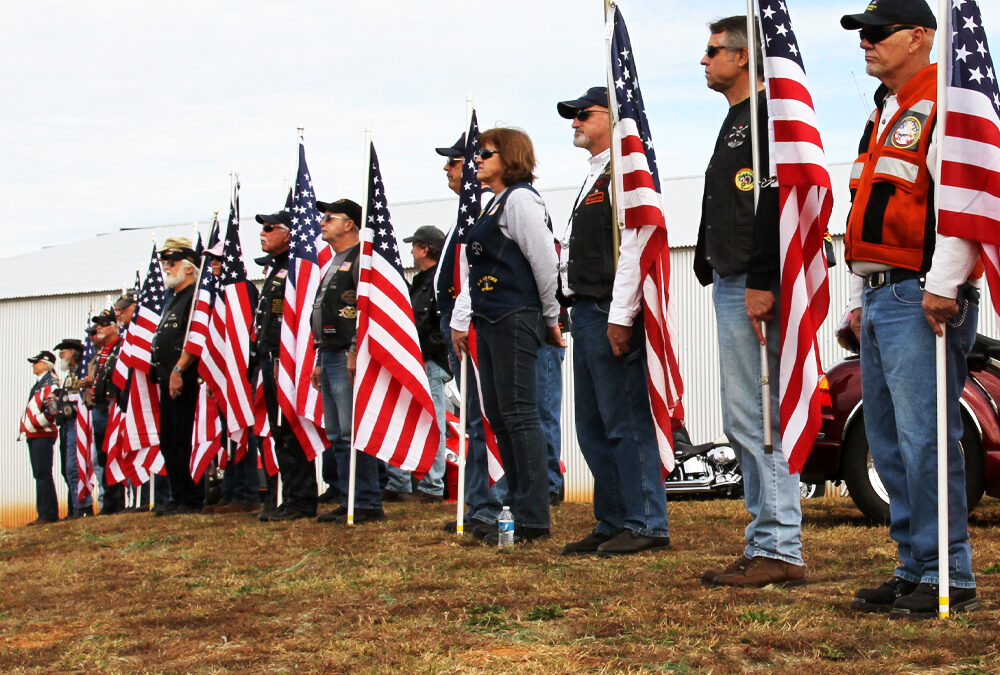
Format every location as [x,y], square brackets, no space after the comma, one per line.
[969,198]
[204,299]
[88,354]
[262,428]
[206,435]
[301,404]
[394,416]
[455,266]
[135,351]
[640,207]
[805,200]
[34,420]
[225,356]
[84,452]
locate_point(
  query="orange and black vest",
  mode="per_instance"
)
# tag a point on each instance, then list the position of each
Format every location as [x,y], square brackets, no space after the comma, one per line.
[892,214]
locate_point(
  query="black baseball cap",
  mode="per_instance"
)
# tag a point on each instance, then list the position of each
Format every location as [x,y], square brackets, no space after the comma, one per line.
[282,217]
[43,356]
[891,13]
[105,317]
[457,150]
[426,234]
[594,96]
[127,299]
[344,206]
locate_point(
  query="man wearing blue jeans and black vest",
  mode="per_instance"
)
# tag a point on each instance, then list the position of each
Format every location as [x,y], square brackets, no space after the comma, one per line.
[614,424]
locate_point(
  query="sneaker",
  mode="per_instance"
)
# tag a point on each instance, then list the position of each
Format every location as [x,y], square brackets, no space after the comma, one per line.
[922,603]
[630,542]
[362,516]
[880,599]
[331,517]
[763,571]
[588,544]
[738,565]
[522,535]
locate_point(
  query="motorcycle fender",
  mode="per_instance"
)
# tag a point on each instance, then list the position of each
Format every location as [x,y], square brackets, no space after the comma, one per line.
[982,409]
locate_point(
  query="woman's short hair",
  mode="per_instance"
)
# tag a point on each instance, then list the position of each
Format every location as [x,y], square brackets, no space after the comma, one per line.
[517,155]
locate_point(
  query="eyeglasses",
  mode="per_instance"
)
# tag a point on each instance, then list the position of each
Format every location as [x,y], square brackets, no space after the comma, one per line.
[712,50]
[452,161]
[271,228]
[583,115]
[875,34]
[485,154]
[333,216]
[168,262]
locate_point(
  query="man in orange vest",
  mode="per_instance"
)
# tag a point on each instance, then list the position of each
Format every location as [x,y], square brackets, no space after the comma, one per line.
[909,284]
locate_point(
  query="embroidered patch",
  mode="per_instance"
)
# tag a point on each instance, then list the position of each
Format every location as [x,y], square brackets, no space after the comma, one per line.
[744,180]
[906,135]
[477,248]
[496,207]
[348,312]
[737,135]
[486,284]
[281,274]
[595,198]
[349,297]
[344,266]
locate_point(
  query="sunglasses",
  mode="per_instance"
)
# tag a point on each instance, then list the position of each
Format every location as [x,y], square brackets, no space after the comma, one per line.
[332,216]
[584,115]
[875,34]
[712,50]
[486,154]
[455,160]
[271,228]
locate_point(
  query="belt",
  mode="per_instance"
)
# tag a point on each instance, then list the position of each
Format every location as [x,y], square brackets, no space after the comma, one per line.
[893,276]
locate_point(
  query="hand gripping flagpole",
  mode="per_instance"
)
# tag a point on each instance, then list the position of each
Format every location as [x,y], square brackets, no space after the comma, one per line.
[352,478]
[463,392]
[765,369]
[940,364]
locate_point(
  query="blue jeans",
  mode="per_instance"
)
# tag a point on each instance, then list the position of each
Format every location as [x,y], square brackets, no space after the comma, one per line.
[338,404]
[481,499]
[41,450]
[898,381]
[614,426]
[67,439]
[508,354]
[433,482]
[770,491]
[549,409]
[239,479]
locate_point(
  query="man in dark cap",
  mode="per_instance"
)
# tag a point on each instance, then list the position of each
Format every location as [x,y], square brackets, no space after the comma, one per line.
[298,475]
[613,420]
[38,427]
[125,307]
[426,245]
[334,326]
[482,500]
[70,353]
[909,283]
[177,403]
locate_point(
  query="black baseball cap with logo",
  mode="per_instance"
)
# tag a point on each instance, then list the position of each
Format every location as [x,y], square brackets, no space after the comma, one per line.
[891,13]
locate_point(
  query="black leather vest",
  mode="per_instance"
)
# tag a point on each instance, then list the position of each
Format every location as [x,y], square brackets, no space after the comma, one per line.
[270,308]
[168,341]
[339,306]
[591,264]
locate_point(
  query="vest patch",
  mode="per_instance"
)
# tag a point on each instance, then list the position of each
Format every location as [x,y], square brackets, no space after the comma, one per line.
[906,135]
[487,283]
[349,297]
[744,180]
[281,274]
[595,198]
[348,312]
[344,266]
[737,135]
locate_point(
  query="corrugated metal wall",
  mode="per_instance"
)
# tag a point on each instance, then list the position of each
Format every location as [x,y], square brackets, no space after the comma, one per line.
[33,324]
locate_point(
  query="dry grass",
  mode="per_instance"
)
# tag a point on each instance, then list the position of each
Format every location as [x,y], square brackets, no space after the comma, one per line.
[136,593]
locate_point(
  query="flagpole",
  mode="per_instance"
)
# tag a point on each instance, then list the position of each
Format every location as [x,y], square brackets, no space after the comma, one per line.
[765,367]
[463,390]
[615,232]
[364,219]
[940,366]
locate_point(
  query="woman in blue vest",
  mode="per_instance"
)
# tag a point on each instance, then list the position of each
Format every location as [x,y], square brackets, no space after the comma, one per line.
[510,296]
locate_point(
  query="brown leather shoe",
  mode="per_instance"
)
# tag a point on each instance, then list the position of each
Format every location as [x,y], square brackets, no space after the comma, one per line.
[737,565]
[234,507]
[761,572]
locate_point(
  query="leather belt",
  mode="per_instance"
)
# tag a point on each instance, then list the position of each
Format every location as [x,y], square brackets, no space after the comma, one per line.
[893,276]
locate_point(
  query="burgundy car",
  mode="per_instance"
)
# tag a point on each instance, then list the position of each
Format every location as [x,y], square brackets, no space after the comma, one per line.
[841,450]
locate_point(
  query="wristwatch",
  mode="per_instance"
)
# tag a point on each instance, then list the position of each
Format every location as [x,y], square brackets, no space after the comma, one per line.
[177,370]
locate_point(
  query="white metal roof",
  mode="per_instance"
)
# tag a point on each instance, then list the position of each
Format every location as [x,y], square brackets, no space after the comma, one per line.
[109,261]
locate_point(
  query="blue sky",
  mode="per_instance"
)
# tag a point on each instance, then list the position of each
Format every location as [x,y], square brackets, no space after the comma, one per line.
[131,114]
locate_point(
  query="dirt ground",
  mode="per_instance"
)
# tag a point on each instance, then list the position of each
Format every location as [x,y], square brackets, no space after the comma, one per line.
[208,594]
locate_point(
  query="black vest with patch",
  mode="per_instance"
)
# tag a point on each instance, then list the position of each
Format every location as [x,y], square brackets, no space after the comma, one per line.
[168,341]
[591,265]
[339,306]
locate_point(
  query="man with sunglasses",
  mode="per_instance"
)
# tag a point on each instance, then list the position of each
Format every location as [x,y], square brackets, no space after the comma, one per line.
[737,255]
[298,475]
[613,420]
[103,394]
[177,404]
[334,325]
[909,283]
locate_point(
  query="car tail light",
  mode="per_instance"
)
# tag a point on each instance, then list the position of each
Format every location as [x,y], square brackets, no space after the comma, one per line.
[825,400]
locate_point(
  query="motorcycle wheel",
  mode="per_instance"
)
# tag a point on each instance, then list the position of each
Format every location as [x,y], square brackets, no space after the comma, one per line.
[811,490]
[866,488]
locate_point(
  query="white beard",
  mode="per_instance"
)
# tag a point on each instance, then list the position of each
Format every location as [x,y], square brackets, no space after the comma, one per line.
[173,277]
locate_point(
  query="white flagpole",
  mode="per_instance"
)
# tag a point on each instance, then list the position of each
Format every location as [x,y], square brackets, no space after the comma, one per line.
[944,59]
[364,219]
[463,388]
[765,374]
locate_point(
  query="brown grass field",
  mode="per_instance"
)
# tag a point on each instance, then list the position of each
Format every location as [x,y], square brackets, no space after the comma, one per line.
[208,594]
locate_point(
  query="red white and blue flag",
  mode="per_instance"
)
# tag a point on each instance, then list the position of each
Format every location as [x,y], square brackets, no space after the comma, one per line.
[394,416]
[805,200]
[84,452]
[640,207]
[969,197]
[300,402]
[206,435]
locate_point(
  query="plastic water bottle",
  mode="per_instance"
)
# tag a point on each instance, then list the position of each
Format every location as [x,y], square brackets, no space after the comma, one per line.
[505,528]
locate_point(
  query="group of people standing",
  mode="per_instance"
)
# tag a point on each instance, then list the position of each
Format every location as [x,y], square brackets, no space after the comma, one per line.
[909,282]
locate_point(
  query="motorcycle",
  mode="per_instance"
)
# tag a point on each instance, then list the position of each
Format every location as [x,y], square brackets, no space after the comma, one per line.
[707,469]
